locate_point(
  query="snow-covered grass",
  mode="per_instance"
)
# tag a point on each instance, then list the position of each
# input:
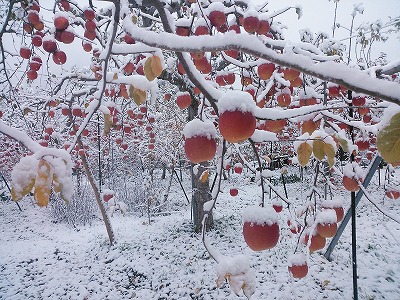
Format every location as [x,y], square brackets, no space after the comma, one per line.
[40,259]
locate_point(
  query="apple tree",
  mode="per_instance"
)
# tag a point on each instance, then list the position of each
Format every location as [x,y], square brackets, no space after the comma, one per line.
[217,81]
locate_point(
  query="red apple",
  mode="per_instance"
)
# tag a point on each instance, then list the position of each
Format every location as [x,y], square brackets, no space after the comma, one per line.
[334,91]
[64,4]
[37,40]
[362,144]
[129,39]
[61,23]
[358,101]
[25,52]
[237,126]
[217,18]
[59,57]
[33,17]
[229,78]
[89,14]
[307,101]
[317,242]
[251,24]
[90,35]
[265,71]
[201,30]
[108,195]
[235,28]
[260,228]
[264,27]
[238,168]
[350,184]
[67,37]
[232,53]
[86,46]
[182,30]
[274,125]
[49,45]
[90,25]
[233,192]
[290,74]
[298,266]
[284,99]
[200,144]
[183,100]
[338,208]
[31,74]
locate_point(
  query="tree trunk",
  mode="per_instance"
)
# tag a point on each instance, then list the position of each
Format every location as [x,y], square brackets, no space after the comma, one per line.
[200,195]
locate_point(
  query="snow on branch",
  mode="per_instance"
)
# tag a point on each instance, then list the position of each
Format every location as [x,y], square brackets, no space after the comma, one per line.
[356,80]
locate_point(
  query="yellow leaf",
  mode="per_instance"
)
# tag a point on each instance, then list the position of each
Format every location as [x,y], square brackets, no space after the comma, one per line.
[388,141]
[204,177]
[16,196]
[22,185]
[318,149]
[148,70]
[330,153]
[303,153]
[138,96]
[115,77]
[43,183]
[156,65]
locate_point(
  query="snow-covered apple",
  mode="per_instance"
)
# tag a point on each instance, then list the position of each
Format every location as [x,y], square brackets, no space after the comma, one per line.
[298,266]
[200,144]
[260,227]
[236,121]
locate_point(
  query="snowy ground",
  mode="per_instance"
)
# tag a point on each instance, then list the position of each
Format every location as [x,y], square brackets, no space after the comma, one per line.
[40,259]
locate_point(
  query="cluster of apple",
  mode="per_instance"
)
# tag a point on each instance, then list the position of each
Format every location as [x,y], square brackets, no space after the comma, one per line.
[11,153]
[63,33]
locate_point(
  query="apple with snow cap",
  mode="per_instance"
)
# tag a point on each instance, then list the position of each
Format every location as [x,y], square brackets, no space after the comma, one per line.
[350,178]
[236,121]
[200,142]
[298,266]
[326,223]
[260,227]
[337,206]
[216,14]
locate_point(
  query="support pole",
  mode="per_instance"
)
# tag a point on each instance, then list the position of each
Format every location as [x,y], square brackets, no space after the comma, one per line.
[373,167]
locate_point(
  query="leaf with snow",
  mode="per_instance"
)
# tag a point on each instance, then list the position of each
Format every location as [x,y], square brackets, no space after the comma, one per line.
[342,143]
[43,183]
[388,140]
[23,177]
[138,95]
[304,152]
[238,273]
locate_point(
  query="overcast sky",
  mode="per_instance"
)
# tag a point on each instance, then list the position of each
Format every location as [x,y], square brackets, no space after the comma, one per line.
[318,16]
